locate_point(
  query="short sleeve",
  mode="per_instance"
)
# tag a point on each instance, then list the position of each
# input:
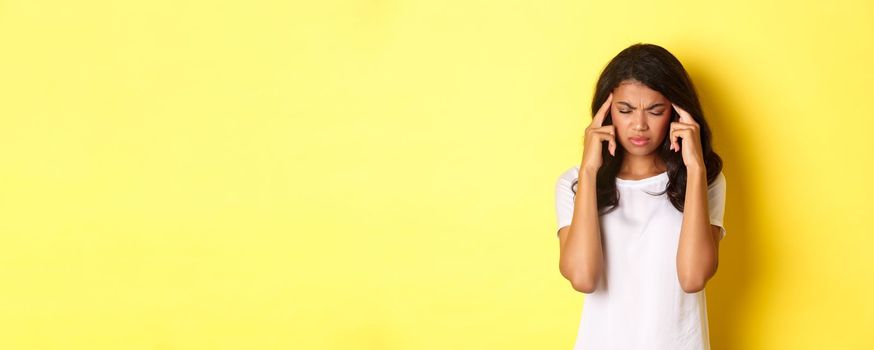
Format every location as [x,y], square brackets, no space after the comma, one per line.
[564,198]
[716,202]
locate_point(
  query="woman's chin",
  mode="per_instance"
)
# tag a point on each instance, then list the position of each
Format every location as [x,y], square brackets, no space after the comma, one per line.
[638,151]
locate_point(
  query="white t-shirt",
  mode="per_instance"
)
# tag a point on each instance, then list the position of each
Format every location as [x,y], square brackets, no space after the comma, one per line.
[638,303]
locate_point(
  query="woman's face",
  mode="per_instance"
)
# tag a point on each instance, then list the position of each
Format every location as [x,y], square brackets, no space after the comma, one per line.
[640,112]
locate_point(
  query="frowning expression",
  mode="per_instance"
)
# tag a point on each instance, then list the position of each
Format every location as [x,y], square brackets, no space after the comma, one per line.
[641,116]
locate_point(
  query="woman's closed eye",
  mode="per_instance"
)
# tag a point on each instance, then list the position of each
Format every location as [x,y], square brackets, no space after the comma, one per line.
[653,113]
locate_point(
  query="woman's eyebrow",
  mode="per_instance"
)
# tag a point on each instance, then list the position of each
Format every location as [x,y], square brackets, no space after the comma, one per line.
[650,107]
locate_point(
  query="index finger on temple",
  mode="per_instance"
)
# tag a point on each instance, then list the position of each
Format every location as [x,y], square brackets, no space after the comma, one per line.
[602,112]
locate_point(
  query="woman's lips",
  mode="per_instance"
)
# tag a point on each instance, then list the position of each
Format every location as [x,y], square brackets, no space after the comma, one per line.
[638,141]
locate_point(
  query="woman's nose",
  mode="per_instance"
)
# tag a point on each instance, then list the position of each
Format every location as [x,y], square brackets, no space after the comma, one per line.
[640,123]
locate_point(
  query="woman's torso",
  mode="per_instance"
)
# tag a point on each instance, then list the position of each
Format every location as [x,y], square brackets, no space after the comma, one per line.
[638,303]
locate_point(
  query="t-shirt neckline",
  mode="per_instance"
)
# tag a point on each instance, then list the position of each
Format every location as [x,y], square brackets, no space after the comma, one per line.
[655,178]
[658,177]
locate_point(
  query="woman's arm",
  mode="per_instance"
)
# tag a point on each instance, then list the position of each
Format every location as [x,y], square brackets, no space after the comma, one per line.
[698,251]
[581,257]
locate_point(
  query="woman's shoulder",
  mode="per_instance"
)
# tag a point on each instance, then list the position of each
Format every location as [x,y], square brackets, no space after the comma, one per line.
[719,180]
[570,174]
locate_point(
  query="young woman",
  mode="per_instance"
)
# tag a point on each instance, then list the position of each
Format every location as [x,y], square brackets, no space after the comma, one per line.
[640,219]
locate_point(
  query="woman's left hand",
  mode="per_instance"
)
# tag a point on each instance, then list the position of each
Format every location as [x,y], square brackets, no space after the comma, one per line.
[689,131]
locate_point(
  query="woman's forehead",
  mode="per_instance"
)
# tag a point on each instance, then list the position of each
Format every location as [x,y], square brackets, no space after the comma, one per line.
[637,90]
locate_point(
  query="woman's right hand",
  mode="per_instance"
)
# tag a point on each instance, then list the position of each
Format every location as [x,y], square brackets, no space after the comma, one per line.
[595,134]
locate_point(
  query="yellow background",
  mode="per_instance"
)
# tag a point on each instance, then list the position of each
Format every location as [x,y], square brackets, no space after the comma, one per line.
[379,174]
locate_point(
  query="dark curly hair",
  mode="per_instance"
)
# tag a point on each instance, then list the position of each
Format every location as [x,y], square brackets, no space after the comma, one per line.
[659,70]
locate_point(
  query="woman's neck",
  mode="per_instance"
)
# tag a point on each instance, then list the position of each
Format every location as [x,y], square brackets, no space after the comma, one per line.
[636,166]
